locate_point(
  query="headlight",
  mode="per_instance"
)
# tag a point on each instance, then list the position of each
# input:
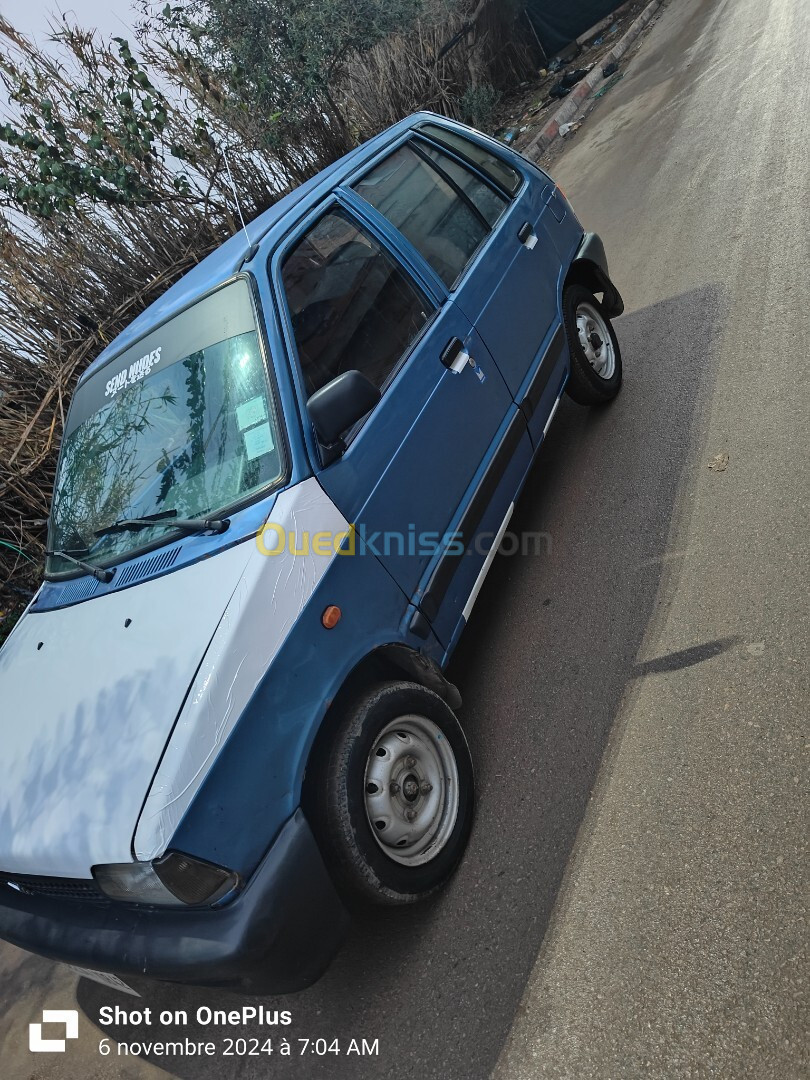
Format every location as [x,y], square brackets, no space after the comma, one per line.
[174,880]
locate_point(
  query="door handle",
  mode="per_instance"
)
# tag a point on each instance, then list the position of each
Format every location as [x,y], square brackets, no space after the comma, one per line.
[526,235]
[455,357]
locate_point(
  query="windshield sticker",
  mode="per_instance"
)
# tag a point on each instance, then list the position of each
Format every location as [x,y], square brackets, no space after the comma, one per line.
[134,373]
[258,441]
[251,412]
[225,314]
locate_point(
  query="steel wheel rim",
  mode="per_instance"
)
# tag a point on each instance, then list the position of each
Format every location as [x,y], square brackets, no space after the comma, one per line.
[411,790]
[595,340]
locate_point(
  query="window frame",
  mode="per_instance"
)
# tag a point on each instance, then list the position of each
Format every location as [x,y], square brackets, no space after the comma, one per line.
[383,234]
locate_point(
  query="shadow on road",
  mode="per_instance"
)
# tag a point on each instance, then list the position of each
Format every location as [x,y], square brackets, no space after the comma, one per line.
[552,647]
[684,658]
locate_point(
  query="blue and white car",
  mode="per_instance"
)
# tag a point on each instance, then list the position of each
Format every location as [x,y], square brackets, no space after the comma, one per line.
[225,717]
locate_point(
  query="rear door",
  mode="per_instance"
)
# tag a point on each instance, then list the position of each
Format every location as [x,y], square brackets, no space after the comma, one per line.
[350,303]
[479,224]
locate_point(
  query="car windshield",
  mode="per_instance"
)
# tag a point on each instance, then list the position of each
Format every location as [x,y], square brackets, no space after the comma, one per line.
[183,421]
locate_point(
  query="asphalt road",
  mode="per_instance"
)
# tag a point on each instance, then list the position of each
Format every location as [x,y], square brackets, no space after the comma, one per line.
[636,695]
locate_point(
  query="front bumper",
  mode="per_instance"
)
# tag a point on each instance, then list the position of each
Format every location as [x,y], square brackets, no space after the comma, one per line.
[279,935]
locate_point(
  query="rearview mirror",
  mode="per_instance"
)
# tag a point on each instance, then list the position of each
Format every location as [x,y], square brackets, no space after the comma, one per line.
[341,403]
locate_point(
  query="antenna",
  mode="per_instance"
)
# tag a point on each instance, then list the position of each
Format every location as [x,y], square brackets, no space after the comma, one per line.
[235,194]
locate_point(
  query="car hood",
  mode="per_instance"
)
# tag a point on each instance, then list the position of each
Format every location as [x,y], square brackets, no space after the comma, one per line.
[89,695]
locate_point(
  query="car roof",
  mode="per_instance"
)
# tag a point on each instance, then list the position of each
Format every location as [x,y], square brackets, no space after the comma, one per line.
[227,259]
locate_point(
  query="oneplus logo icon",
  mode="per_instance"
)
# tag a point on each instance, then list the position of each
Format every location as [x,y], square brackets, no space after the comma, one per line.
[68,1017]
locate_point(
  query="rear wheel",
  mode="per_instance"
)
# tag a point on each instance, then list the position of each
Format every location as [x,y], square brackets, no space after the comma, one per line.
[395,795]
[596,360]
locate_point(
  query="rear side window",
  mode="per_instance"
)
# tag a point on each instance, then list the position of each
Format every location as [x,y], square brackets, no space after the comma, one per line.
[488,202]
[429,207]
[489,164]
[351,305]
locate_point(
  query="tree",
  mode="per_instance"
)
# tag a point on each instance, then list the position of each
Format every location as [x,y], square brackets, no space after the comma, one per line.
[109,191]
[286,58]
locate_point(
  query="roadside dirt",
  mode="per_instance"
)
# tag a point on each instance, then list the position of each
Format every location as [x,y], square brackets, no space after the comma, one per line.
[523,113]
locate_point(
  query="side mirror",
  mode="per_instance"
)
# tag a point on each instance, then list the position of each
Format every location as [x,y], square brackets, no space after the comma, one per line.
[341,403]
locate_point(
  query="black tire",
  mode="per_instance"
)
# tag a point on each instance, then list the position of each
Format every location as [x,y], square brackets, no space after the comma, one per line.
[362,869]
[585,385]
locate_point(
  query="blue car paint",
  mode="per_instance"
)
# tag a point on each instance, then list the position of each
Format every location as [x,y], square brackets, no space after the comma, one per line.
[373,482]
[508,312]
[264,760]
[208,830]
[449,622]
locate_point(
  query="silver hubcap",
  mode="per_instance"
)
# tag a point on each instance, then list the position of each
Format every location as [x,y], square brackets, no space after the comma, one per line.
[594,338]
[411,790]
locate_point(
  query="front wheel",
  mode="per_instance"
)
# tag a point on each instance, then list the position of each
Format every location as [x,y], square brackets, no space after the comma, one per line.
[395,795]
[596,360]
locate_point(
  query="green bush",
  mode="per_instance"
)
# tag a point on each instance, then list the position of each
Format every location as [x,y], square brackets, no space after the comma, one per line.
[477,106]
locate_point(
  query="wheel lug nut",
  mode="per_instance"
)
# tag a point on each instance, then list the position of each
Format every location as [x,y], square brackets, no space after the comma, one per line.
[410,762]
[410,815]
[394,788]
[426,788]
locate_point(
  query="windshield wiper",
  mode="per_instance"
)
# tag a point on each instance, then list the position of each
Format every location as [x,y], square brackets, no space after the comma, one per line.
[168,519]
[98,573]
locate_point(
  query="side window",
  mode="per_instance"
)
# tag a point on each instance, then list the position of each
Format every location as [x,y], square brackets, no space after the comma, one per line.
[428,207]
[495,168]
[351,304]
[488,202]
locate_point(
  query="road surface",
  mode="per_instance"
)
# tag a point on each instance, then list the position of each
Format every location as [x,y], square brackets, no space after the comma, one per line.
[636,695]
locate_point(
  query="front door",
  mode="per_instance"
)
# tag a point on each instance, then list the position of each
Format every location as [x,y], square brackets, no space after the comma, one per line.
[352,304]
